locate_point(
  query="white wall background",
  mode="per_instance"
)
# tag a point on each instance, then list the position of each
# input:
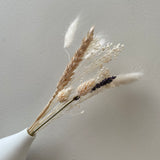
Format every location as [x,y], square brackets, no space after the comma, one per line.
[121,123]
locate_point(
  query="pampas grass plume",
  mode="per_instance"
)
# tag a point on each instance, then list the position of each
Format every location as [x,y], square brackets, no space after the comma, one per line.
[127,78]
[69,36]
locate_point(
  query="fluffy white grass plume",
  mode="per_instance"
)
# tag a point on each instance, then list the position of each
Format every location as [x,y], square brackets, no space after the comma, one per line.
[85,87]
[86,75]
[64,94]
[69,36]
[127,78]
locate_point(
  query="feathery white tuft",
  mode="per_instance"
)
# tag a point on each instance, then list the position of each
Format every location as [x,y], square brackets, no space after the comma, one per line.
[127,78]
[64,94]
[69,36]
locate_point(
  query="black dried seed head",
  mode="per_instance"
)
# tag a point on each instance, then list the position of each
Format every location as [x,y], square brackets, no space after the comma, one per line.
[103,82]
[76,98]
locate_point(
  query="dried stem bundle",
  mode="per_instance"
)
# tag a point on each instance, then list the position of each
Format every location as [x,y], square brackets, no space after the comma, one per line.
[68,73]
[84,76]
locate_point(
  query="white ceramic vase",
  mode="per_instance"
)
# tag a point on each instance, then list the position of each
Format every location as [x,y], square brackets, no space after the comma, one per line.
[16,146]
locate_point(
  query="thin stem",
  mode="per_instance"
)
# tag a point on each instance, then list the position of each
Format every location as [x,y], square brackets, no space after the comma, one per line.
[32,133]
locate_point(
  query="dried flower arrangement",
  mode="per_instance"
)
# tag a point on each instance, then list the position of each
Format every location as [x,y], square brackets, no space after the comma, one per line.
[85,75]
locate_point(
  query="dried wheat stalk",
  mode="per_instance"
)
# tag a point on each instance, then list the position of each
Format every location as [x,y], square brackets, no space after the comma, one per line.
[77,58]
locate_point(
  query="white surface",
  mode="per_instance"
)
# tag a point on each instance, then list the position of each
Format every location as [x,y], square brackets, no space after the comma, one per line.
[15,147]
[121,123]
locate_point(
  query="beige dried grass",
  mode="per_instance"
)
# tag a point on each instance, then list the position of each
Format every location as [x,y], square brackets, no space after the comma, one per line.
[77,58]
[68,73]
[89,60]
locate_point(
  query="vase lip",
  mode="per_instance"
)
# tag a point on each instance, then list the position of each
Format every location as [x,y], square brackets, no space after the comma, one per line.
[26,130]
